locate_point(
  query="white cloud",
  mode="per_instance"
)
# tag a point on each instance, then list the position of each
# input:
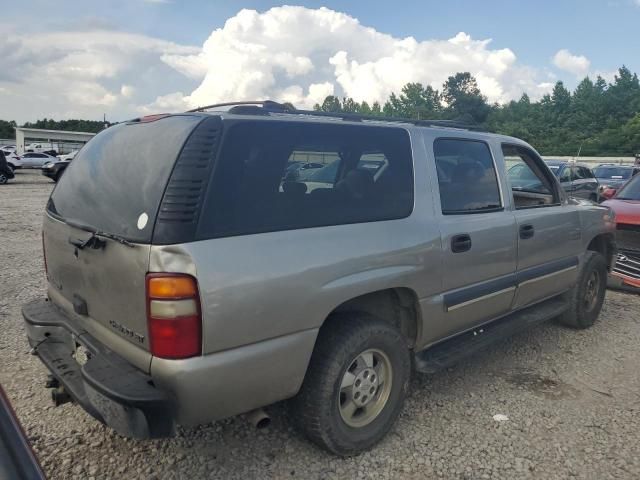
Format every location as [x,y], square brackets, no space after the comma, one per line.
[298,54]
[286,53]
[85,74]
[578,65]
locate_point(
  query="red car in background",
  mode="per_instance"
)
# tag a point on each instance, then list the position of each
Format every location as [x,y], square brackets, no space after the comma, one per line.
[626,205]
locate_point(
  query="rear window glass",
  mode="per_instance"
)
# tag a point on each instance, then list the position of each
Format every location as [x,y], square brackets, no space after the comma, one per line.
[365,174]
[612,172]
[118,178]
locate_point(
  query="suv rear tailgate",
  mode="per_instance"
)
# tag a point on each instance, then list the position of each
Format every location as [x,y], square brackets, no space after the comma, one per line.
[102,289]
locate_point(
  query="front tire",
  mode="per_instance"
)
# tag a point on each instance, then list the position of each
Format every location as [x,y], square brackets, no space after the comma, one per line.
[587,297]
[3,179]
[355,385]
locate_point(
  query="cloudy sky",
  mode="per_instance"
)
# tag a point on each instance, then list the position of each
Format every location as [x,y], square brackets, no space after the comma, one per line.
[123,58]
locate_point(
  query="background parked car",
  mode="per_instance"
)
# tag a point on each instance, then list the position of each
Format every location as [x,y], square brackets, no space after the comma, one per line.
[36,160]
[626,205]
[8,149]
[6,172]
[54,170]
[40,147]
[14,161]
[577,180]
[611,177]
[68,156]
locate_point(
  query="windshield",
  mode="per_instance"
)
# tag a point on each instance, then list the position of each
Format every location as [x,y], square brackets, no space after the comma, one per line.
[116,182]
[631,191]
[612,172]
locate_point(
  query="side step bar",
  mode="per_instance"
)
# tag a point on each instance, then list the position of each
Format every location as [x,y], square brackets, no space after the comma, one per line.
[449,352]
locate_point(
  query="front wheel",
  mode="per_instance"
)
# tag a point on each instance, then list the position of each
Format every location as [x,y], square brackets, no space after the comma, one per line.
[355,386]
[587,297]
[3,179]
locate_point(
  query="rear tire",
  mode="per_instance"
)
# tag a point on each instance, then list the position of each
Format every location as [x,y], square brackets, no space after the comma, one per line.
[587,297]
[355,385]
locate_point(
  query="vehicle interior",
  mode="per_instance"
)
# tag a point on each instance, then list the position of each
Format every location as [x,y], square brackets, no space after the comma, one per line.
[530,184]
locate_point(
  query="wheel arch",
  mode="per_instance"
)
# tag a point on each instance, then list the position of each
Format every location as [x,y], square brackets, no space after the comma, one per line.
[397,306]
[604,244]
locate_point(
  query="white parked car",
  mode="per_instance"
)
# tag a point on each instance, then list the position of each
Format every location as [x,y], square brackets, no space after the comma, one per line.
[7,149]
[68,156]
[40,147]
[36,160]
[14,161]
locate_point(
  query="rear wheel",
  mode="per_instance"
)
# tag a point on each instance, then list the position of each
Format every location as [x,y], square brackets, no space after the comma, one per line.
[587,297]
[355,386]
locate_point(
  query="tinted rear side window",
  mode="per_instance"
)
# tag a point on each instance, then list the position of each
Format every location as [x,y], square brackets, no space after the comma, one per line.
[118,178]
[366,175]
[466,177]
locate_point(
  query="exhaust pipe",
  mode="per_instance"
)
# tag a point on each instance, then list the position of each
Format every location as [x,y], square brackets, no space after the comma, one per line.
[259,418]
[60,396]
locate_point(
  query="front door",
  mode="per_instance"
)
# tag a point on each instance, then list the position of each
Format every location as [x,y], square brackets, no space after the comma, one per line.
[478,236]
[549,232]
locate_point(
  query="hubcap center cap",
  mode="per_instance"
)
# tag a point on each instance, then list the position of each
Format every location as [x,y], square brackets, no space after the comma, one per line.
[365,387]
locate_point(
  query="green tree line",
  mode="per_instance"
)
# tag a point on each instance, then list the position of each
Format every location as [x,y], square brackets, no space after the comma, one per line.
[7,128]
[597,118]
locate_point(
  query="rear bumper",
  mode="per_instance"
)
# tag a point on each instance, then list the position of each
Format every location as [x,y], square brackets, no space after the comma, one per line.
[106,386]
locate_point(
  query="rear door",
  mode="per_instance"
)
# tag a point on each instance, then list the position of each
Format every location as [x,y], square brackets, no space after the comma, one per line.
[549,232]
[478,235]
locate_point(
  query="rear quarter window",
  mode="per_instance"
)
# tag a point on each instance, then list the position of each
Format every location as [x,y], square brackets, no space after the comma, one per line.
[366,176]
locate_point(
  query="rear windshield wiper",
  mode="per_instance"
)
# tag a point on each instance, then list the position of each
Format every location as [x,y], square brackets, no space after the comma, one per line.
[94,233]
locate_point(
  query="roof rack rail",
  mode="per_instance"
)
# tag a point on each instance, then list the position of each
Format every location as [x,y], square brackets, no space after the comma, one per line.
[357,117]
[266,104]
[266,107]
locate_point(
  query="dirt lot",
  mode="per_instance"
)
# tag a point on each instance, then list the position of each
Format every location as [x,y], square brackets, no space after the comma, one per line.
[572,400]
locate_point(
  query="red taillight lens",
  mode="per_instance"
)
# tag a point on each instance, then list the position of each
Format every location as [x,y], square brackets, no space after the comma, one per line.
[173,315]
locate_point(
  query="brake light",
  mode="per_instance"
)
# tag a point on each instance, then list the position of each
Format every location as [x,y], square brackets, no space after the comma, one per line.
[153,118]
[173,315]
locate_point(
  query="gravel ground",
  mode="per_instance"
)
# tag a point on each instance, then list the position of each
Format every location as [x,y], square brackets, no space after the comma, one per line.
[572,400]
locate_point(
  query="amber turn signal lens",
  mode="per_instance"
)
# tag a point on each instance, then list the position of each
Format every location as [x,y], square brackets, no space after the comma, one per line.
[172,287]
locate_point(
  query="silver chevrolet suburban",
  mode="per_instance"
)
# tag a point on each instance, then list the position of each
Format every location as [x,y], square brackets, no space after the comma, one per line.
[192,280]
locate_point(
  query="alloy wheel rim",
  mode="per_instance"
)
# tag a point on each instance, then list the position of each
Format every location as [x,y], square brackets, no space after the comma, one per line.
[592,290]
[365,388]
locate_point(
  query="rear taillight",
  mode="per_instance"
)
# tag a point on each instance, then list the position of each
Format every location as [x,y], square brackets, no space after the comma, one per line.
[173,315]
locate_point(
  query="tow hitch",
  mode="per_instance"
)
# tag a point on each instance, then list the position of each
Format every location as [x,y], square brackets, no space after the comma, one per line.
[59,395]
